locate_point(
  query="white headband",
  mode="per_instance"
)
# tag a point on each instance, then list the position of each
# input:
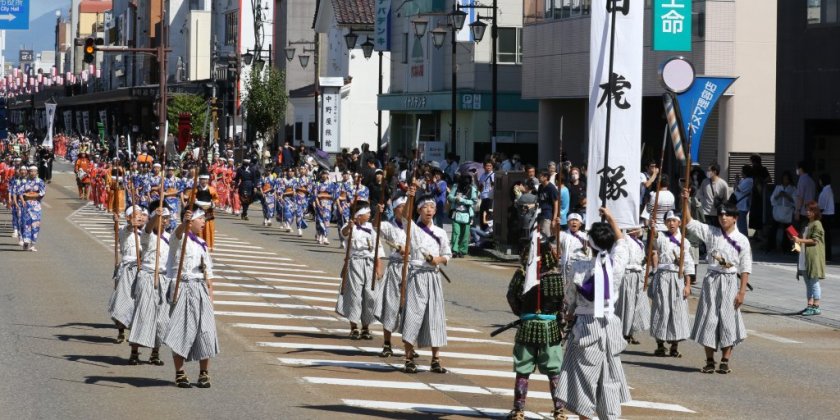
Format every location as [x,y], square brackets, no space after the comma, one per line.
[362,211]
[129,211]
[398,202]
[574,216]
[33,168]
[165,212]
[671,215]
[196,214]
[424,202]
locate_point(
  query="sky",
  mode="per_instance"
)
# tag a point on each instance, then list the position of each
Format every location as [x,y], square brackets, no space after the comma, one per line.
[37,37]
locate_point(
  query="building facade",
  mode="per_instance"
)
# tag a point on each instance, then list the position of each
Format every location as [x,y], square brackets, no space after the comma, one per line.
[730,38]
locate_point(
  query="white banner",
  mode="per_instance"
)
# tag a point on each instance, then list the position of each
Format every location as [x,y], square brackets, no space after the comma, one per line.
[330,119]
[622,94]
[50,108]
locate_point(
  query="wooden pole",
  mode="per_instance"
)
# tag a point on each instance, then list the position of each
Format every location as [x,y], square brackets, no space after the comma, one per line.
[184,239]
[685,208]
[652,235]
[378,233]
[161,56]
[409,217]
[350,221]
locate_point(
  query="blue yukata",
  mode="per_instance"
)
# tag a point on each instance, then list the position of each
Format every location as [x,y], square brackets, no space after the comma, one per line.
[344,194]
[15,190]
[268,186]
[302,187]
[323,194]
[286,187]
[32,210]
[173,185]
[279,187]
[153,191]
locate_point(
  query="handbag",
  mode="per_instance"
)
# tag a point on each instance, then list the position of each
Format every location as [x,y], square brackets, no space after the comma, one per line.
[783,214]
[462,217]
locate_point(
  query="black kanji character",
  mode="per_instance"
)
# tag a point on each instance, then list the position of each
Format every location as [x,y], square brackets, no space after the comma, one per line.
[612,183]
[616,85]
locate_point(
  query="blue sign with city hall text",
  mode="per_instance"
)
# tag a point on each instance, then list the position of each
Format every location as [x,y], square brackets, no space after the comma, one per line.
[672,25]
[14,14]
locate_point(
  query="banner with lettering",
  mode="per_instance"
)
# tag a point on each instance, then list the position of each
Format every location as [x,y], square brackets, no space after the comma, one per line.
[614,155]
[697,103]
[50,110]
[382,26]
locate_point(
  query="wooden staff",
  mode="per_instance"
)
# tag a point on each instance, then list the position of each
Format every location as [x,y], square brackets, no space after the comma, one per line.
[184,237]
[378,232]
[652,234]
[115,208]
[160,218]
[409,217]
[135,205]
[685,203]
[350,221]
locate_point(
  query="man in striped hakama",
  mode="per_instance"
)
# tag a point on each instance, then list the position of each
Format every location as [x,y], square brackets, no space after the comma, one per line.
[121,304]
[151,310]
[192,327]
[592,379]
[388,309]
[668,292]
[424,318]
[633,306]
[718,323]
[356,301]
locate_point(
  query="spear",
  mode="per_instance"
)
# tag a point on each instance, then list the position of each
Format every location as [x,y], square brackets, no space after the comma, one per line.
[184,233]
[378,233]
[160,218]
[685,203]
[652,235]
[345,269]
[409,217]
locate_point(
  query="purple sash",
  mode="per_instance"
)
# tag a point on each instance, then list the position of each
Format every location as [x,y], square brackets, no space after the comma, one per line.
[428,231]
[197,240]
[639,243]
[672,238]
[582,241]
[362,228]
[398,223]
[731,241]
[587,289]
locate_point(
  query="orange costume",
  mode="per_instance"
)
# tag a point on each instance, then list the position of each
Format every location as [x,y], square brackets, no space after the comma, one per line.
[116,196]
[207,198]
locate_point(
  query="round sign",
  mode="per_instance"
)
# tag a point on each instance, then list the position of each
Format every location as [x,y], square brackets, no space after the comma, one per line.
[677,74]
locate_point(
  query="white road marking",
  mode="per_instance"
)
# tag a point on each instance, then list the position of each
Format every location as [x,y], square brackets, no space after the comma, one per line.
[314,283]
[261,260]
[434,408]
[657,406]
[274,327]
[288,288]
[267,271]
[271,305]
[227,246]
[237,253]
[355,364]
[449,338]
[275,316]
[773,337]
[376,350]
[258,263]
[265,295]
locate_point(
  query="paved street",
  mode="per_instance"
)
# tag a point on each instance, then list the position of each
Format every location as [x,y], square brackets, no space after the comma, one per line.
[285,353]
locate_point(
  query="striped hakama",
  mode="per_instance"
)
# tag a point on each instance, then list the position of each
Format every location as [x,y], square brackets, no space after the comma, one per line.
[357,302]
[669,311]
[633,306]
[192,325]
[424,317]
[121,304]
[717,324]
[151,311]
[388,308]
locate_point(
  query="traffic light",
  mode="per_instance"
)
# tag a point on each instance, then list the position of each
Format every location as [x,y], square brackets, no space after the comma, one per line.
[90,50]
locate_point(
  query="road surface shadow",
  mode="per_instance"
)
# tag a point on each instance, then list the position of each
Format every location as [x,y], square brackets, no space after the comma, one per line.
[86,324]
[127,380]
[94,339]
[108,360]
[315,336]
[324,251]
[662,366]
[360,411]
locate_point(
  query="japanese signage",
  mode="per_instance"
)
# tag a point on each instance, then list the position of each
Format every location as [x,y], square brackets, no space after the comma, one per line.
[697,103]
[471,101]
[330,123]
[68,121]
[672,25]
[615,149]
[382,26]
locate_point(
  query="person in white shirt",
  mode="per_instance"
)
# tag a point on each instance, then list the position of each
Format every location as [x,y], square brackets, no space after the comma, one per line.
[784,204]
[665,203]
[826,202]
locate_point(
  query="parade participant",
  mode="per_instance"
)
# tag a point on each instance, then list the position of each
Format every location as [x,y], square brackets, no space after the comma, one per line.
[345,191]
[246,180]
[151,310]
[632,305]
[103,179]
[718,323]
[267,186]
[172,190]
[539,305]
[233,190]
[206,198]
[121,304]
[424,317]
[192,327]
[356,301]
[592,380]
[18,204]
[323,192]
[4,181]
[286,189]
[388,308]
[668,292]
[153,190]
[220,182]
[573,244]
[187,183]
[32,192]
[116,188]
[302,187]
[82,169]
[360,191]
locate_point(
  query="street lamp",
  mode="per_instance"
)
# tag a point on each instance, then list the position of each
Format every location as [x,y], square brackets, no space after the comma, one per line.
[367,48]
[350,39]
[478,29]
[248,57]
[420,25]
[304,61]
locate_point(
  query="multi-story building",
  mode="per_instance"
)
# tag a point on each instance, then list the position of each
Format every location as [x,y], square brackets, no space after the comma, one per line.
[293,30]
[63,43]
[421,82]
[808,112]
[89,21]
[729,39]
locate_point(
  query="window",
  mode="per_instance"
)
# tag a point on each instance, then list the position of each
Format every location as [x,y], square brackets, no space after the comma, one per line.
[509,48]
[405,49]
[231,27]
[298,131]
[541,10]
[823,12]
[313,135]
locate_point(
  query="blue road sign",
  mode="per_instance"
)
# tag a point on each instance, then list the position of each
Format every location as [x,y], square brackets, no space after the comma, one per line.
[14,14]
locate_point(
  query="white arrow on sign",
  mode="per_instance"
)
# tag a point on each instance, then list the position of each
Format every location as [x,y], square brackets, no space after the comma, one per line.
[10,17]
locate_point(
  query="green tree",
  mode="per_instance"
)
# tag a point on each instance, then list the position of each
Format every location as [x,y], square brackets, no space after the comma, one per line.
[187,103]
[265,101]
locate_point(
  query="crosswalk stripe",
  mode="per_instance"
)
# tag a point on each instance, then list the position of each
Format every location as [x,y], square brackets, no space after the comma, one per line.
[250,264]
[773,337]
[272,327]
[274,316]
[233,252]
[448,338]
[433,408]
[236,245]
[285,288]
[270,305]
[270,271]
[280,280]
[266,295]
[374,350]
[265,276]
[355,364]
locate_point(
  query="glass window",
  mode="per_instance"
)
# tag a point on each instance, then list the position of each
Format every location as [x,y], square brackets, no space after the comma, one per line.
[405,49]
[313,136]
[830,11]
[535,11]
[823,12]
[298,131]
[509,48]
[231,28]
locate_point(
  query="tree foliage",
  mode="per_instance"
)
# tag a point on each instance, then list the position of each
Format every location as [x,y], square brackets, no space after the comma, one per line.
[187,103]
[265,101]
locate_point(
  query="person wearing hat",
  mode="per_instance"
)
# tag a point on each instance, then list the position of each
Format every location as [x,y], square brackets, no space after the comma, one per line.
[388,311]
[668,292]
[246,179]
[718,324]
[356,301]
[151,311]
[33,191]
[82,168]
[206,198]
[424,315]
[632,305]
[323,194]
[121,304]
[592,381]
[191,333]
[573,243]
